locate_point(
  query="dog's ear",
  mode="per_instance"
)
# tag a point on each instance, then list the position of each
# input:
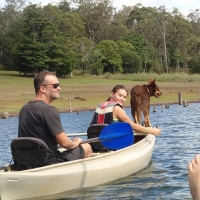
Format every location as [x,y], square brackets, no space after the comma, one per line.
[154,80]
[150,81]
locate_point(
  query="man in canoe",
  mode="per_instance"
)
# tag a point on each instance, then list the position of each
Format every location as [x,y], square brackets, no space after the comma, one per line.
[112,111]
[40,120]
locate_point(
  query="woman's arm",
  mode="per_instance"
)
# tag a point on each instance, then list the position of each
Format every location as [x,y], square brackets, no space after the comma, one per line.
[120,114]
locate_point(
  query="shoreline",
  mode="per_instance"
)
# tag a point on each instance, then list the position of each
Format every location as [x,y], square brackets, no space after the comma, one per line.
[151,104]
[12,114]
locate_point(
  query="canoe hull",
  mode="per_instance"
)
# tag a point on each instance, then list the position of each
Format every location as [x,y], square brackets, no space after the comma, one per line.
[77,174]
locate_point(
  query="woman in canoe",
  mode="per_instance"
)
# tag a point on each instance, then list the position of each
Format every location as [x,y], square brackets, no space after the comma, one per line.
[112,111]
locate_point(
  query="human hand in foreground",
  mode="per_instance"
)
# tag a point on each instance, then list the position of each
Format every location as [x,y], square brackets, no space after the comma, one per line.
[194,177]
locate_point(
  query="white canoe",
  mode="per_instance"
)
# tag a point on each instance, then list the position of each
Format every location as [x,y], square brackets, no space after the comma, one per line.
[62,177]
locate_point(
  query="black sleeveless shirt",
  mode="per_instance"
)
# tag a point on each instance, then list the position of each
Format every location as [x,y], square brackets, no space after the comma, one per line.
[104,113]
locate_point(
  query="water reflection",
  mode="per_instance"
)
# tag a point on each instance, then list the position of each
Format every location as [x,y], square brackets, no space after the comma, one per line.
[166,176]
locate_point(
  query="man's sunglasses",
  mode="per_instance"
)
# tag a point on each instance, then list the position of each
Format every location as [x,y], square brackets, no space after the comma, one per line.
[55,85]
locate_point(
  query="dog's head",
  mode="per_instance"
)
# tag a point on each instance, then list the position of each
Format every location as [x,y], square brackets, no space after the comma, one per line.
[153,88]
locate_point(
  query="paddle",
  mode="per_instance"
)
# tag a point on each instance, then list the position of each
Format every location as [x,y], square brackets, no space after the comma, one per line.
[76,134]
[115,136]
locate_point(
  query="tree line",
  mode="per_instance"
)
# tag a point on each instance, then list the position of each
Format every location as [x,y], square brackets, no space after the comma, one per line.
[93,36]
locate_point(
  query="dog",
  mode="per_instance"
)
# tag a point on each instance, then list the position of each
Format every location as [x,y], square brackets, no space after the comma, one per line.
[140,101]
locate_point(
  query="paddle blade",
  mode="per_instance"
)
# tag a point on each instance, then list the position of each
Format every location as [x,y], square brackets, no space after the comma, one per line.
[117,136]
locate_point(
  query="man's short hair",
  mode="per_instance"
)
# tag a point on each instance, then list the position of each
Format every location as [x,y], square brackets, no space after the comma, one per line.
[39,79]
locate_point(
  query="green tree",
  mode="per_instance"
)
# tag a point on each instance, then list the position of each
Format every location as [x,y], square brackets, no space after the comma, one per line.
[30,52]
[96,62]
[194,65]
[10,31]
[118,29]
[97,16]
[179,31]
[64,5]
[64,42]
[131,62]
[112,62]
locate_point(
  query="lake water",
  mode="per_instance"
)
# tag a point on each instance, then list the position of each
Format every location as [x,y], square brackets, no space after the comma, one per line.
[164,178]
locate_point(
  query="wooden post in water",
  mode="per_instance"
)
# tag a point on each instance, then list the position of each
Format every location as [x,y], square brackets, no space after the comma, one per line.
[5,115]
[180,98]
[154,109]
[184,103]
[69,104]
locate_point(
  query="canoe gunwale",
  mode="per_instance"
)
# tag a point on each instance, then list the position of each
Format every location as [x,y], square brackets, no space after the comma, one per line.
[98,154]
[77,174]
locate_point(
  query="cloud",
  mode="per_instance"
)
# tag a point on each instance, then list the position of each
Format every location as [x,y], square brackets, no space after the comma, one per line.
[183,6]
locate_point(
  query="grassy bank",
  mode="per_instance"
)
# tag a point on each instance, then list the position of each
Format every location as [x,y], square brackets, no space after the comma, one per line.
[16,90]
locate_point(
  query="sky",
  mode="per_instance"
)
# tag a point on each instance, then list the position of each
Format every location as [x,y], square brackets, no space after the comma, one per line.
[184,6]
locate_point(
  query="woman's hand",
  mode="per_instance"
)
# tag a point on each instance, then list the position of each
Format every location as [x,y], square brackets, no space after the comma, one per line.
[154,131]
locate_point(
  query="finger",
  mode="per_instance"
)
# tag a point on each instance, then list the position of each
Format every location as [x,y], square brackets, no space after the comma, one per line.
[190,168]
[197,159]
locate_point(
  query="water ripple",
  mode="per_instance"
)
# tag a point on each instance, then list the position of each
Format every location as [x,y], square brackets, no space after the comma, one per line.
[166,176]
